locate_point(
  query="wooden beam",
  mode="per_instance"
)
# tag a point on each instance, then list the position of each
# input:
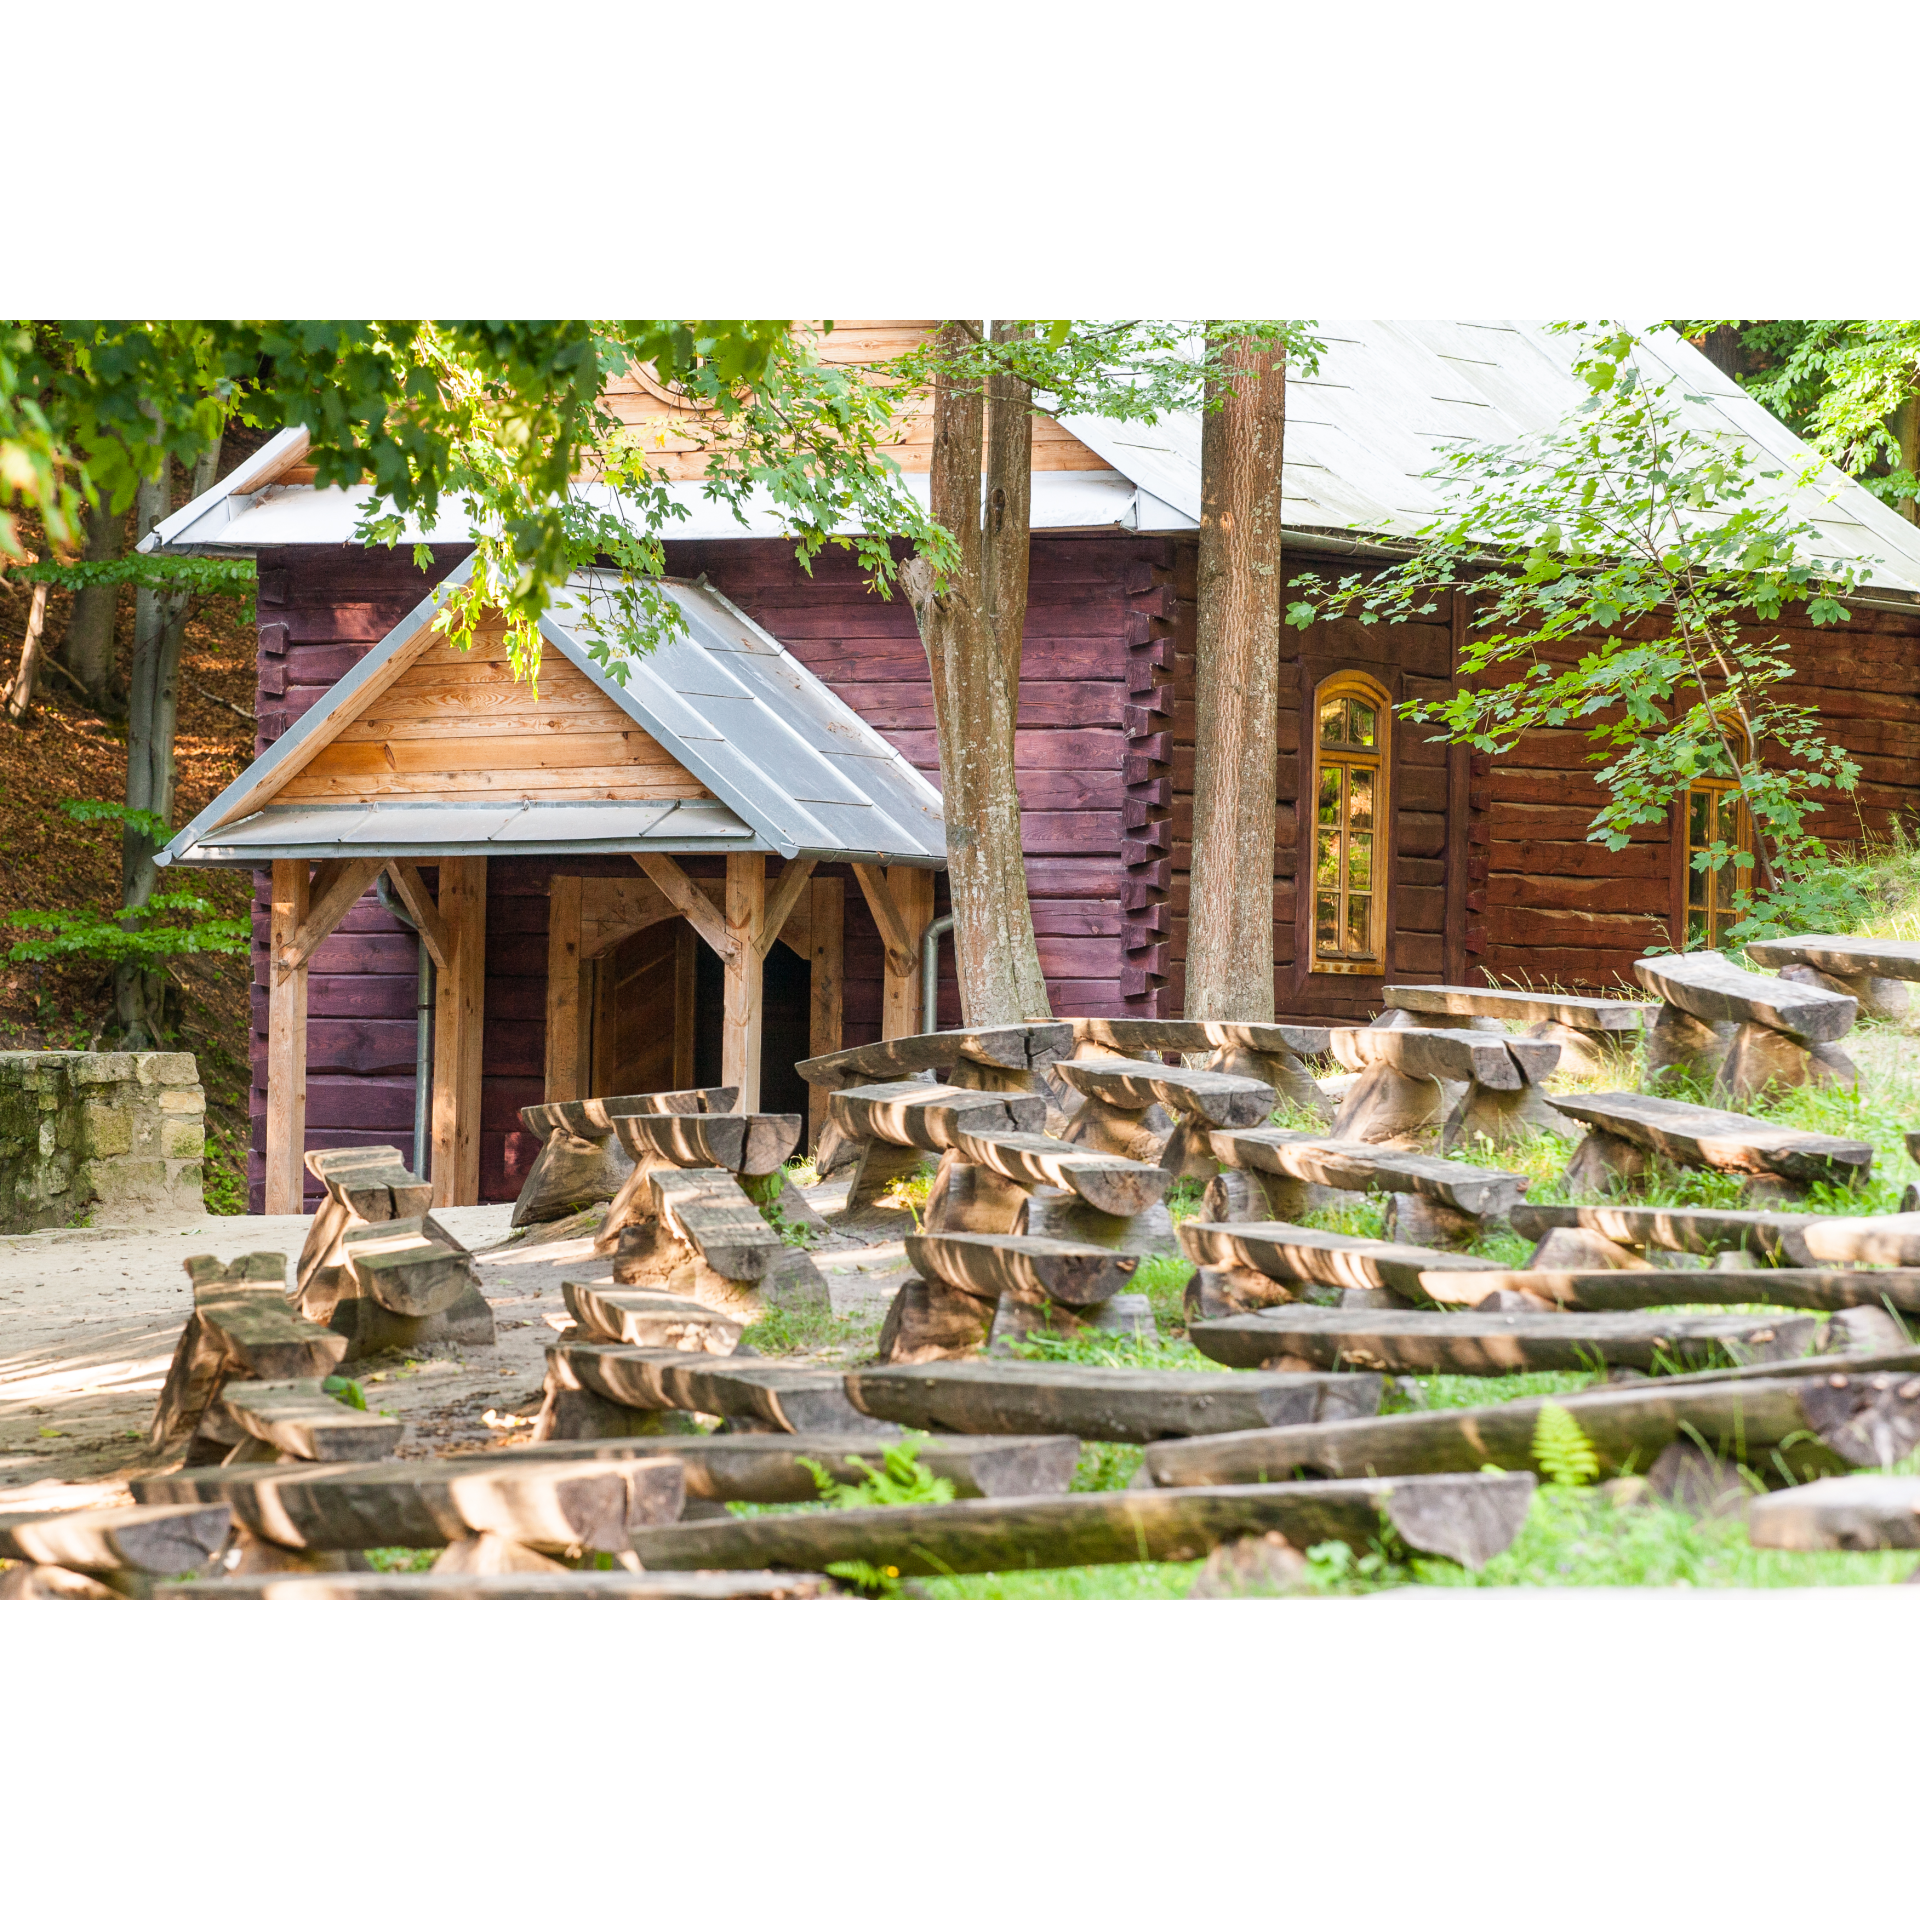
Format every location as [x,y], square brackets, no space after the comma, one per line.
[344,881]
[672,879]
[286,1044]
[781,899]
[901,956]
[426,916]
[827,905]
[741,1011]
[912,891]
[458,1026]
[685,1004]
[563,1081]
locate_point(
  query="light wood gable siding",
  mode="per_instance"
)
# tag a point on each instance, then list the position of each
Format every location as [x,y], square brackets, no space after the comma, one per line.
[458,726]
[670,432]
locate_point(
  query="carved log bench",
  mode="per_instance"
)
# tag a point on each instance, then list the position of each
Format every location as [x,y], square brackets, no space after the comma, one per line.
[1009,1059]
[1275,1052]
[1414,1080]
[363,1184]
[1295,1257]
[1117,1096]
[1790,1239]
[751,1394]
[895,1127]
[299,1419]
[624,1316]
[1745,1031]
[99,1553]
[1593,1034]
[1268,1173]
[398,1283]
[1624,1128]
[1874,973]
[581,1160]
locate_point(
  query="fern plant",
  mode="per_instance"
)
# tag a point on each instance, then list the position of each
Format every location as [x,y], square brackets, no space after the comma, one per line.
[900,1480]
[1564,1454]
[867,1580]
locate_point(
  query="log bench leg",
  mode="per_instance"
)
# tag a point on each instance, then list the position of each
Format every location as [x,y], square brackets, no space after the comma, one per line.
[1385,1106]
[1235,1194]
[1884,999]
[571,1174]
[371,1328]
[929,1320]
[1420,1222]
[1586,1055]
[983,1077]
[1285,1073]
[1188,1152]
[1681,1048]
[1603,1163]
[879,1163]
[1215,1292]
[1016,1317]
[1104,1128]
[1502,1115]
[1759,1058]
[969,1198]
[1055,1214]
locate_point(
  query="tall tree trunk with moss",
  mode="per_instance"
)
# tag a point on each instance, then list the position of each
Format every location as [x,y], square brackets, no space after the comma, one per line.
[1236,685]
[153,709]
[971,623]
[87,650]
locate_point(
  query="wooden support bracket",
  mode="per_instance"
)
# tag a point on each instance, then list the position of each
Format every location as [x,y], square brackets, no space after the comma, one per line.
[337,885]
[706,919]
[426,916]
[782,898]
[902,958]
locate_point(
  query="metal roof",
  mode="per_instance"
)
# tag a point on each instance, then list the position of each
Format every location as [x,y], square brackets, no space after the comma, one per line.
[793,769]
[1388,398]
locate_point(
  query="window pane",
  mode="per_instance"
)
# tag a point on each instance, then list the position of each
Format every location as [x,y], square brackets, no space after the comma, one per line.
[1723,886]
[1333,730]
[1697,929]
[1360,719]
[1360,796]
[1326,871]
[1359,923]
[1329,796]
[1326,922]
[1360,862]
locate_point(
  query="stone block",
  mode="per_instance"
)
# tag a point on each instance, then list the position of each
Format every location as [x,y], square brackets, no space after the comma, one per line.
[182,1139]
[105,1131]
[182,1100]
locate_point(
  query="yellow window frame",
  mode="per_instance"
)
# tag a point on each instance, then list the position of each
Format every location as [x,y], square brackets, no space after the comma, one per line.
[1346,860]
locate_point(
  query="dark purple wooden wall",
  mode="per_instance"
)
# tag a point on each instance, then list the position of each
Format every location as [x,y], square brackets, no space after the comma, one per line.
[1095,716]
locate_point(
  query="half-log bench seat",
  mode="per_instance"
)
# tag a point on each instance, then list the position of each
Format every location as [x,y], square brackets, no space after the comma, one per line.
[581,1161]
[1269,1173]
[1415,1080]
[98,1553]
[751,1394]
[1273,1051]
[1591,1033]
[299,1418]
[1492,1343]
[1623,1129]
[1117,1095]
[1873,972]
[1790,1239]
[1288,1259]
[398,1283]
[895,1127]
[573,1409]
[1745,1031]
[1835,1290]
[363,1184]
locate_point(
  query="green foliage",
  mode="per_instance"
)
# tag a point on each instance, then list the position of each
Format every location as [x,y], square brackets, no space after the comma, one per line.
[1564,1453]
[173,922]
[161,572]
[867,1580]
[764,1190]
[347,1392]
[153,826]
[1113,1350]
[898,1481]
[1622,569]
[223,1172]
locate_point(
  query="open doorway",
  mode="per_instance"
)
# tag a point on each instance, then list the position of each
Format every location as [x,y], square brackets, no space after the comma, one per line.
[786,1001]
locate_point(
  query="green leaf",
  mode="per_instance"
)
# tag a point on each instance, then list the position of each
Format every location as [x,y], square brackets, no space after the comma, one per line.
[1563,1452]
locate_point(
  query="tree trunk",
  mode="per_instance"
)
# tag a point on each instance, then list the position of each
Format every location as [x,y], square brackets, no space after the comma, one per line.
[87,651]
[20,692]
[1906,432]
[971,624]
[1236,676]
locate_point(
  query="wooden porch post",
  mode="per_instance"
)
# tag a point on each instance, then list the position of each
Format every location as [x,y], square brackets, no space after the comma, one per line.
[684,1002]
[286,1042]
[564,1079]
[912,890]
[460,1006]
[827,912]
[740,1017]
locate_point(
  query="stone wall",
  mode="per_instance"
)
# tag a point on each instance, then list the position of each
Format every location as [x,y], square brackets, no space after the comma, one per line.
[114,1139]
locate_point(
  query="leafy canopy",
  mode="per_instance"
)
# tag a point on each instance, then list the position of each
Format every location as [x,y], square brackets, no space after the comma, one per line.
[1620,570]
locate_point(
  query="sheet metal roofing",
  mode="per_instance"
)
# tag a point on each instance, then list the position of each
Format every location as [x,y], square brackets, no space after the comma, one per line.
[1389,397]
[793,769]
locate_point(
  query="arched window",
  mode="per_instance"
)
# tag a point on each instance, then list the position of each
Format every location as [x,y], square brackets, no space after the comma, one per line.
[1717,815]
[1352,727]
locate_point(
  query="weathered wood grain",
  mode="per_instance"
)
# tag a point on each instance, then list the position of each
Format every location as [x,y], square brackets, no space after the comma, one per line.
[1855,1513]
[1469,1518]
[1102,1180]
[507,1586]
[1501,1003]
[990,1264]
[640,1317]
[932,1118]
[1845,956]
[1218,1099]
[112,1539]
[1711,1137]
[1798,1426]
[1037,1044]
[744,1143]
[406,1269]
[301,1418]
[1287,1252]
[1495,1343]
[1493,1060]
[929,1320]
[751,1394]
[553,1505]
[1488,1192]
[1101,1403]
[1615,1289]
[1710,987]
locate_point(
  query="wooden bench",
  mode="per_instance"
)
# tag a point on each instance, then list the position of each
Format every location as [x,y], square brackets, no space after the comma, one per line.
[398,1283]
[896,1126]
[1415,1080]
[1295,1256]
[242,1327]
[363,1184]
[554,1585]
[1872,972]
[1746,1031]
[1466,1517]
[1009,1059]
[1624,1128]
[581,1161]
[545,1506]
[751,1394]
[1593,1034]
[300,1418]
[641,1317]
[696,1232]
[1791,1426]
[1859,1513]
[1434,1202]
[1275,1052]
[1494,1343]
[1131,1404]
[1118,1094]
[1628,1289]
[108,1541]
[1791,1239]
[749,1144]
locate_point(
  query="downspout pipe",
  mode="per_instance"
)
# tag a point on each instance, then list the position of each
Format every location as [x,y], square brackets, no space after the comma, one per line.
[930,973]
[423,1029]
